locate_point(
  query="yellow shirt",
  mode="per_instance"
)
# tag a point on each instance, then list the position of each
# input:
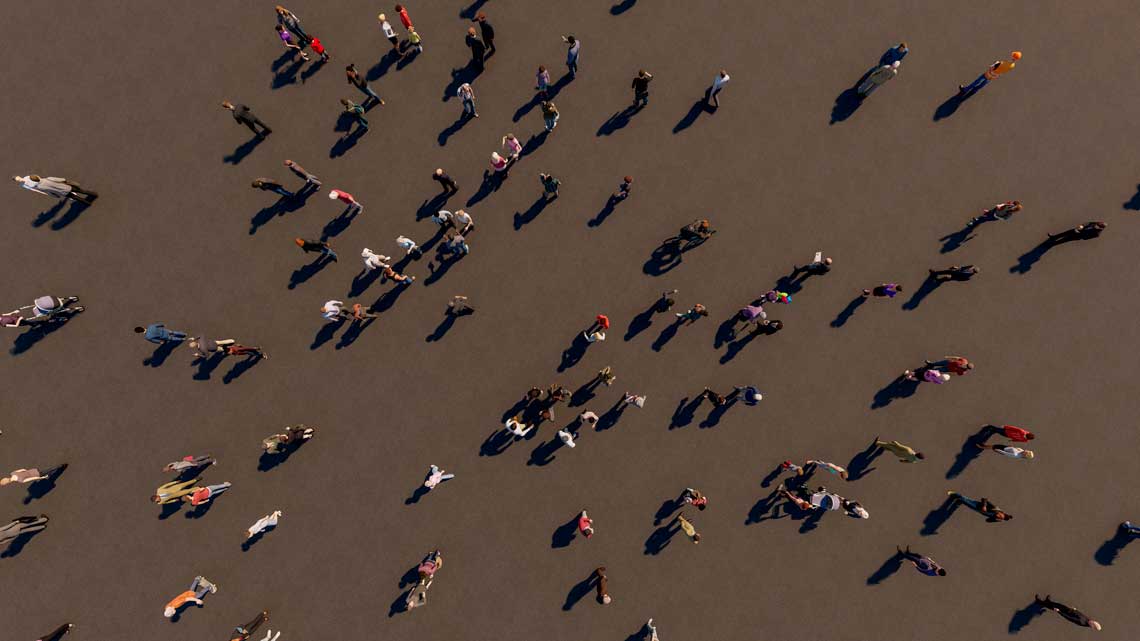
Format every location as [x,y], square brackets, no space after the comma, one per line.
[686,526]
[1003,66]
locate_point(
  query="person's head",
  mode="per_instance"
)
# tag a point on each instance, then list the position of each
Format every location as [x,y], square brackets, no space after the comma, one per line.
[1016,205]
[226,104]
[969,366]
[920,456]
[300,242]
[346,102]
[1095,625]
[470,31]
[18,179]
[1002,516]
[827,261]
[496,158]
[697,537]
[1016,55]
[541,69]
[606,599]
[169,611]
[6,480]
[256,183]
[571,39]
[941,571]
[399,8]
[1027,454]
[723,73]
[641,73]
[480,16]
[350,68]
[628,180]
[1029,436]
[156,498]
[382,18]
[140,330]
[439,171]
[902,45]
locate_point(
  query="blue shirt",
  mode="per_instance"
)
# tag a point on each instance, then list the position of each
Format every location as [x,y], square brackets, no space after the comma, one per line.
[156,333]
[572,52]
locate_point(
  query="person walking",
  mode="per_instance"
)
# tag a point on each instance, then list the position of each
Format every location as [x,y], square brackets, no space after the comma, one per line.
[22,526]
[242,115]
[58,633]
[513,146]
[651,629]
[573,53]
[606,375]
[1012,432]
[877,78]
[56,187]
[889,290]
[1067,612]
[517,427]
[372,260]
[389,33]
[602,584]
[819,266]
[173,491]
[954,272]
[922,563]
[715,398]
[458,306]
[542,82]
[203,495]
[263,524]
[290,21]
[550,115]
[691,496]
[356,111]
[268,184]
[189,462]
[906,453]
[466,93]
[245,631]
[749,393]
[436,476]
[1009,450]
[293,437]
[1088,230]
[204,347]
[289,42]
[487,31]
[353,205]
[641,89]
[957,365]
[448,185]
[333,310]
[478,49]
[357,79]
[550,186]
[927,375]
[688,528]
[585,524]
[409,246]
[158,334]
[198,591]
[321,246]
[624,188]
[633,399]
[982,506]
[998,68]
[396,277]
[1001,211]
[714,90]
[405,19]
[567,438]
[31,475]
[319,49]
[837,470]
[695,312]
[310,179]
[1130,528]
[463,222]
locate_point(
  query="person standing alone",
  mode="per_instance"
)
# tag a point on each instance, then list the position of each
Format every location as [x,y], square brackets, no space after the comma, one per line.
[488,33]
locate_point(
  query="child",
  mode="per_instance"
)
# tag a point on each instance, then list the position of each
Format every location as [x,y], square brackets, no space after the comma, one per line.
[623,188]
[542,81]
[585,524]
[319,49]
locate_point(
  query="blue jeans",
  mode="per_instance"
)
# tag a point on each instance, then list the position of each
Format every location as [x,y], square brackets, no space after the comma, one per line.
[371,94]
[282,192]
[551,123]
[572,65]
[325,251]
[977,84]
[468,106]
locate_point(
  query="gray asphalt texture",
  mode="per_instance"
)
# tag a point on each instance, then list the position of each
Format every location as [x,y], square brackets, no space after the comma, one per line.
[123,97]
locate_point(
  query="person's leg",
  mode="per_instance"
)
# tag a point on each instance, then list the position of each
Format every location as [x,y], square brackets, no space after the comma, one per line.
[253,625]
[176,336]
[57,634]
[1129,528]
[252,127]
[265,130]
[716,101]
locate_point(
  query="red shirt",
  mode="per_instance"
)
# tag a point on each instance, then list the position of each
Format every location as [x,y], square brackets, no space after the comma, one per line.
[316,45]
[405,19]
[1014,433]
[200,496]
[586,526]
[603,321]
[957,366]
[344,196]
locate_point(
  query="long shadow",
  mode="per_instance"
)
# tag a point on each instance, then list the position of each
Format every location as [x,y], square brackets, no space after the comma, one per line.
[947,109]
[281,207]
[938,517]
[312,69]
[346,142]
[362,281]
[725,332]
[71,215]
[927,288]
[44,216]
[666,335]
[29,338]
[382,66]
[1026,261]
[267,461]
[661,538]
[432,205]
[717,413]
[199,510]
[459,76]
[241,151]
[860,464]
[602,215]
[400,604]
[326,333]
[40,488]
[527,106]
[738,346]
[440,268]
[663,259]
[533,143]
[532,212]
[765,509]
[622,7]
[308,271]
[1108,551]
[580,589]
[496,443]
[574,353]
[1024,617]
[685,411]
[491,183]
[355,329]
[407,59]
[564,534]
[1134,202]
[388,299]
[811,521]
[241,367]
[453,129]
[897,389]
[968,453]
[337,225]
[468,12]
[206,366]
[161,353]
[252,541]
[583,394]
[953,241]
[888,568]
[642,321]
[543,455]
[169,509]
[17,544]
[668,507]
[417,494]
[846,104]
[441,329]
[285,68]
[699,107]
[618,120]
[849,311]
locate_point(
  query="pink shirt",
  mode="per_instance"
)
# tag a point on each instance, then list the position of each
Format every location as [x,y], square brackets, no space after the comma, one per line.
[344,196]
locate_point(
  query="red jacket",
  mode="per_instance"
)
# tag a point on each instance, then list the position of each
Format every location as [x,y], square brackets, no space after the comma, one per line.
[1014,433]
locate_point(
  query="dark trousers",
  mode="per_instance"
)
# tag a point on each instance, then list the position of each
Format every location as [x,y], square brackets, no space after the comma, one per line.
[449,186]
[490,43]
[253,122]
[57,633]
[249,628]
[79,194]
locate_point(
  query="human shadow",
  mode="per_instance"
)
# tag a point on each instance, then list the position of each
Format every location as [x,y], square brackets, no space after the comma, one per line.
[468,12]
[860,464]
[198,511]
[286,74]
[306,272]
[686,409]
[453,128]
[527,106]
[388,298]
[663,259]
[355,329]
[532,212]
[846,104]
[440,267]
[564,534]
[622,7]
[737,346]
[889,567]
[717,413]
[533,143]
[574,353]
[252,541]
[765,509]
[668,507]
[441,329]
[543,455]
[1134,202]
[267,461]
[241,367]
[241,151]
[282,206]
[775,474]
[17,544]
[953,241]
[667,335]
[432,205]
[610,417]
[71,215]
[699,107]
[1024,617]
[161,353]
[362,281]
[947,109]
[618,120]
[849,311]
[938,517]
[1108,551]
[811,521]
[969,452]
[491,183]
[580,589]
[642,321]
[583,394]
[44,216]
[607,209]
[382,65]
[899,388]
[41,488]
[661,537]
[417,494]
[467,73]
[496,443]
[340,223]
[29,338]
[312,69]
[206,366]
[1026,261]
[326,333]
[346,142]
[927,288]
[169,509]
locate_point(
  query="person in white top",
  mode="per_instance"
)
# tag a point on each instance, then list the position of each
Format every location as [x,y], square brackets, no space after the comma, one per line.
[566,437]
[588,417]
[652,630]
[409,246]
[719,82]
[389,32]
[263,524]
[436,476]
[443,218]
[372,260]
[1010,451]
[463,222]
[332,309]
[56,188]
[594,337]
[517,427]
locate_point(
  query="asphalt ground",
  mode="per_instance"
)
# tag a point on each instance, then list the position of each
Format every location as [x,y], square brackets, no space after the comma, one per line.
[123,97]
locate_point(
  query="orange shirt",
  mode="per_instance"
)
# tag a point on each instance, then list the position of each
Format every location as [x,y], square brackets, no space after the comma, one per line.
[181,599]
[1003,66]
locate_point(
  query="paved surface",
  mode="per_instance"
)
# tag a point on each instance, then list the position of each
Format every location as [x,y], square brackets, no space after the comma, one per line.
[123,97]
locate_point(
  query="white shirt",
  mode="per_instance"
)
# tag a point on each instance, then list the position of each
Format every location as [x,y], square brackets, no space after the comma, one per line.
[566,437]
[405,242]
[1011,451]
[516,428]
[264,522]
[442,217]
[372,260]
[332,309]
[463,217]
[720,81]
[389,32]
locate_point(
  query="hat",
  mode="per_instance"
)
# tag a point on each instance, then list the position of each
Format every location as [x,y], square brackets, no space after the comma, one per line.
[1016,55]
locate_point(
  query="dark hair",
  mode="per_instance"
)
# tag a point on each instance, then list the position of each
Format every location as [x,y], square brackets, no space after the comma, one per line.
[541,67]
[350,67]
[941,571]
[139,330]
[399,7]
[629,179]
[920,455]
[279,28]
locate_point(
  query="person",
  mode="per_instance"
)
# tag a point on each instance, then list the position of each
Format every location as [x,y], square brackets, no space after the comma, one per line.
[293,437]
[1001,211]
[357,79]
[245,631]
[516,427]
[829,467]
[57,634]
[853,509]
[263,524]
[714,90]
[242,115]
[203,495]
[567,438]
[694,497]
[466,93]
[789,466]
[268,184]
[695,312]
[877,78]
[31,475]
[289,43]
[894,54]
[487,32]
[321,246]
[426,572]
[927,375]
[716,399]
[1009,450]
[21,526]
[1069,613]
[550,115]
[572,54]
[817,267]
[397,277]
[389,32]
[922,563]
[688,529]
[456,244]
[198,591]
[954,272]
[158,334]
[1012,432]
[542,81]
[415,43]
[666,302]
[405,19]
[603,585]
[697,230]
[954,364]
[448,185]
[998,68]
[633,399]
[409,246]
[435,476]
[513,147]
[478,49]
[334,309]
[624,188]
[56,187]
[356,111]
[353,205]
[982,506]
[550,186]
[906,453]
[641,88]
[204,347]
[498,163]
[794,498]
[173,491]
[651,629]
[606,375]
[595,336]
[750,394]
[585,525]
[1129,528]
[310,179]
[458,306]
[886,289]
[290,21]
[319,48]
[189,462]
[1086,231]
